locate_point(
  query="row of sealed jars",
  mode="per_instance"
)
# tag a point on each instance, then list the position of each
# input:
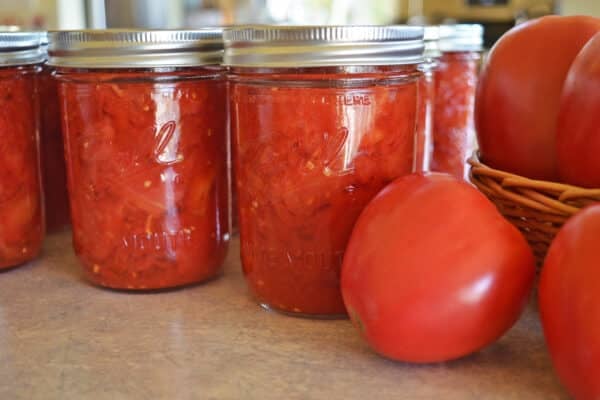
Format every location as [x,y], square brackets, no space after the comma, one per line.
[148,191]
[319,120]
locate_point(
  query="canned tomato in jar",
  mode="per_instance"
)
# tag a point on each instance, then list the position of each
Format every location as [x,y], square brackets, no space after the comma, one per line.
[424,137]
[21,205]
[56,197]
[322,119]
[144,124]
[455,82]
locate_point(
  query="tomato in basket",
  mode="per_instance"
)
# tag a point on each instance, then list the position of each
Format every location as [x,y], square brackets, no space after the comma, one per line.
[578,131]
[518,96]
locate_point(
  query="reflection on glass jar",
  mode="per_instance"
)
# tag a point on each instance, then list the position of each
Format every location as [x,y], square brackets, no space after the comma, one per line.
[424,137]
[21,205]
[313,146]
[146,160]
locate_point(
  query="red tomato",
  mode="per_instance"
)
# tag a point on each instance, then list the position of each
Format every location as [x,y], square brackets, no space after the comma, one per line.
[578,130]
[569,302]
[519,93]
[433,272]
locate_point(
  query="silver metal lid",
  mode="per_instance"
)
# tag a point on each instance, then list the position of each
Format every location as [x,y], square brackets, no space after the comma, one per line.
[135,48]
[432,37]
[318,46]
[44,44]
[20,48]
[461,37]
[44,38]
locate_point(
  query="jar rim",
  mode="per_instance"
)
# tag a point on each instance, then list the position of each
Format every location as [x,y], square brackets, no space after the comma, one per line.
[460,37]
[326,45]
[432,38]
[20,48]
[127,48]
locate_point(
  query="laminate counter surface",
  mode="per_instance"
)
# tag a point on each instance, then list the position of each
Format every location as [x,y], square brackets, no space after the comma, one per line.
[61,338]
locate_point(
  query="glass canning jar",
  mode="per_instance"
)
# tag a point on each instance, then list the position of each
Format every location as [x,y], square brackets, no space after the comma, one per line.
[21,201]
[424,136]
[322,119]
[144,124]
[455,83]
[56,197]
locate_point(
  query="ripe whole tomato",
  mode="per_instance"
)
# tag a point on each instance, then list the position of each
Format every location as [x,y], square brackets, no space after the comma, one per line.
[519,92]
[578,130]
[569,303]
[433,272]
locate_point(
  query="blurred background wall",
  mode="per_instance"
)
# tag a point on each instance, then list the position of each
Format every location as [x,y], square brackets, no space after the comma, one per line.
[497,15]
[574,7]
[43,14]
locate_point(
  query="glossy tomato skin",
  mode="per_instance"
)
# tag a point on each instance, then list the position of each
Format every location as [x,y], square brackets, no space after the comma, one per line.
[433,272]
[569,303]
[519,93]
[578,131]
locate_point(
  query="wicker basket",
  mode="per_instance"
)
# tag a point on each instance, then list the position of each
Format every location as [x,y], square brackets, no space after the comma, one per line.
[537,208]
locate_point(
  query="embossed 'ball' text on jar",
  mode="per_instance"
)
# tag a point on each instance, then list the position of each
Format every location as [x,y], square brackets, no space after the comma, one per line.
[144,124]
[322,119]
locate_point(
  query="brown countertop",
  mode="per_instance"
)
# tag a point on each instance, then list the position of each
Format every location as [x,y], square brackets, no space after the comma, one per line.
[61,338]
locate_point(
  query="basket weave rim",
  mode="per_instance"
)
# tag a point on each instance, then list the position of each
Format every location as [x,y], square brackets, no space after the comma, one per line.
[513,180]
[537,208]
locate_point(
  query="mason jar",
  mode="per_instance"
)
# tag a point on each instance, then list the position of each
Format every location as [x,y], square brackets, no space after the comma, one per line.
[144,125]
[455,82]
[322,119]
[424,137]
[56,197]
[21,202]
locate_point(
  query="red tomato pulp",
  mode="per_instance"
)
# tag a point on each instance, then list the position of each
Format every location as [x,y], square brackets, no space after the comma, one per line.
[453,126]
[56,197]
[146,160]
[312,148]
[21,206]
